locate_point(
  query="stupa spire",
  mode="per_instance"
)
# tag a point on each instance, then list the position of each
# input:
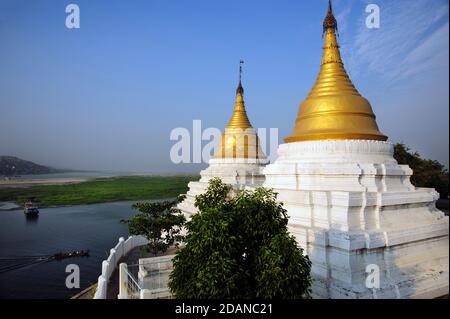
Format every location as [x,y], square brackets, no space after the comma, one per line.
[334,109]
[239,139]
[239,119]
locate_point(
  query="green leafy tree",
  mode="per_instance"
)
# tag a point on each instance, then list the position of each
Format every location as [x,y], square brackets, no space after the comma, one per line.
[160,223]
[239,247]
[427,173]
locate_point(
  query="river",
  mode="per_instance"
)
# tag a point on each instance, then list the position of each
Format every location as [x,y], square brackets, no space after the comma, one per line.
[94,227]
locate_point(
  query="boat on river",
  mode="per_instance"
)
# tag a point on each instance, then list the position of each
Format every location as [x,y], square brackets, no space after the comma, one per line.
[30,209]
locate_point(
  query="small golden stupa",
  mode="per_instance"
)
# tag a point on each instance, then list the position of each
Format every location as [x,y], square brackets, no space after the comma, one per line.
[239,139]
[334,109]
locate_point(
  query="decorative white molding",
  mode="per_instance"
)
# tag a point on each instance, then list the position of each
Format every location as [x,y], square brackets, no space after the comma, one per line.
[351,205]
[240,173]
[233,161]
[361,151]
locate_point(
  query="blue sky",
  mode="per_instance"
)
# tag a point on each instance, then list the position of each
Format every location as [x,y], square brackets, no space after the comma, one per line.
[107,95]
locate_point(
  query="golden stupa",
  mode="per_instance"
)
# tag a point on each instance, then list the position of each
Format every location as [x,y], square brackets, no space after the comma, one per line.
[239,140]
[334,109]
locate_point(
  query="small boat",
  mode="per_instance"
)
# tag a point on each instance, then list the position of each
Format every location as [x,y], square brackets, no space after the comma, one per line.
[30,209]
[76,253]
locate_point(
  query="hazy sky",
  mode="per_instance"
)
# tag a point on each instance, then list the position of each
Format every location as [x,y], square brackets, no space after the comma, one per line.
[106,96]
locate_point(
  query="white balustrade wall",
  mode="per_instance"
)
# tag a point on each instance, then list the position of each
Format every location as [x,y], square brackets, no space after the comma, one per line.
[122,248]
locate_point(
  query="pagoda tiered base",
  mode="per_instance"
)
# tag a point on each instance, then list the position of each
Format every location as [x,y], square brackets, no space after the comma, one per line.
[353,208]
[240,173]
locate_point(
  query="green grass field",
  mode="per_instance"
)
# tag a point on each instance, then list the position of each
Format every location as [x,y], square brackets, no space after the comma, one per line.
[101,190]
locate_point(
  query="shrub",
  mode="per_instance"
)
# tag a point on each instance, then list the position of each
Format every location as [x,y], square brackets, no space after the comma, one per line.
[239,247]
[160,223]
[427,173]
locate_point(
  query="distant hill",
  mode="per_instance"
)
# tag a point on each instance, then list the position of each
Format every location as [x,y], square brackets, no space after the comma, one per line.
[10,166]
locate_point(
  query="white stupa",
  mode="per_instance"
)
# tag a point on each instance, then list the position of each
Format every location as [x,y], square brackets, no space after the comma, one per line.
[238,161]
[351,206]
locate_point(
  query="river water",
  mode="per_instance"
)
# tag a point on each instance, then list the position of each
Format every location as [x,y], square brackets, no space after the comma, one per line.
[94,227]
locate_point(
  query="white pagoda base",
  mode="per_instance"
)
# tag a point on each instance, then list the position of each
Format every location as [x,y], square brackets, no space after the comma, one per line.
[350,206]
[240,173]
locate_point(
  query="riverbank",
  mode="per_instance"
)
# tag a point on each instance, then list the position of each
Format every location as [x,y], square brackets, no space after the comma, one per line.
[4,206]
[99,190]
[17,183]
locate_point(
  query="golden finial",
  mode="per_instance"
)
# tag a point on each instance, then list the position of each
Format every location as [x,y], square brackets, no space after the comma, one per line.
[334,109]
[240,89]
[330,21]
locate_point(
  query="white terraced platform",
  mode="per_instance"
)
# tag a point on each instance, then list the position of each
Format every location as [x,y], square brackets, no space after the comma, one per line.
[350,206]
[239,173]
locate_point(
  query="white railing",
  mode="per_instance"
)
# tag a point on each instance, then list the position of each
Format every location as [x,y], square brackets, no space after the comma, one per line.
[122,248]
[154,273]
[152,281]
[129,287]
[133,289]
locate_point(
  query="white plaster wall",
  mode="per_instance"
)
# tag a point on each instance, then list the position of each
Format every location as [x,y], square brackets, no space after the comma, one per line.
[351,205]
